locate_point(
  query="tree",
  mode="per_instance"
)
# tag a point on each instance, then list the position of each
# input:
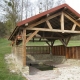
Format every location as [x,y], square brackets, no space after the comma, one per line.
[44,5]
[2,29]
[11,8]
[59,2]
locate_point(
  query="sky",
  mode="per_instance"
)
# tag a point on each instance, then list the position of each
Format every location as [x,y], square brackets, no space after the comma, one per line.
[75,4]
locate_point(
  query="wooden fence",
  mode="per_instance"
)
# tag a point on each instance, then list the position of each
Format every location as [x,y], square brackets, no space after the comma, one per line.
[38,49]
[69,52]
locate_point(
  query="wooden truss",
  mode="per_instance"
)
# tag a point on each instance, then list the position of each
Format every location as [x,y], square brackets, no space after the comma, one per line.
[50,27]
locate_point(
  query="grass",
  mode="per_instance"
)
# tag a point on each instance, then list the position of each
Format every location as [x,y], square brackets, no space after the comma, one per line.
[57,42]
[4,72]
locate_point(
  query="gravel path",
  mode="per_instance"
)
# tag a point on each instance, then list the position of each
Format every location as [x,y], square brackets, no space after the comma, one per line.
[61,73]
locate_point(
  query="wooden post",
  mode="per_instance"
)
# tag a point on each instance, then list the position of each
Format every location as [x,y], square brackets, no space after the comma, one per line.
[52,42]
[62,22]
[24,47]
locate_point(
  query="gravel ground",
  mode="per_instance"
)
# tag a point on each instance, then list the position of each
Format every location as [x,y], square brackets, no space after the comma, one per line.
[62,73]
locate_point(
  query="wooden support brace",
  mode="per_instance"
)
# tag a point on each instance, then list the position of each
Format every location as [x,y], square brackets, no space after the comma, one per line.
[32,35]
[48,43]
[65,41]
[62,22]
[72,20]
[74,26]
[68,39]
[49,25]
[52,42]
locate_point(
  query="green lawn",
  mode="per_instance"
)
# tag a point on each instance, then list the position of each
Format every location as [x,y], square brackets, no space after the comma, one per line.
[57,42]
[4,72]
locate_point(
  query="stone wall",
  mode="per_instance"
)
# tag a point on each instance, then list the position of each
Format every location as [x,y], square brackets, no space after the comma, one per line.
[42,58]
[18,57]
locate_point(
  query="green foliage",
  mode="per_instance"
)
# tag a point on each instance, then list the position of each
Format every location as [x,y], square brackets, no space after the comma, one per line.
[8,24]
[4,72]
[11,16]
[2,29]
[9,4]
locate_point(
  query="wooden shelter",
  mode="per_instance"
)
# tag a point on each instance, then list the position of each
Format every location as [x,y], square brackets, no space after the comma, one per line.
[59,23]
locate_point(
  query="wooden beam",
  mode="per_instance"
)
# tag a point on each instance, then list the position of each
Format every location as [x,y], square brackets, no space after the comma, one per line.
[52,42]
[70,31]
[72,20]
[62,22]
[63,42]
[49,25]
[48,43]
[53,30]
[45,29]
[43,20]
[24,47]
[73,28]
[32,35]
[68,39]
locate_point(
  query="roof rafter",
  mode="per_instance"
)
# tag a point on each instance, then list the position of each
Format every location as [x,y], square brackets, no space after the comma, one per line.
[72,19]
[43,20]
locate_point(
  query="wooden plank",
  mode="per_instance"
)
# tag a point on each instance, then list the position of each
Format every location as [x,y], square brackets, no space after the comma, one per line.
[43,20]
[32,35]
[49,25]
[62,22]
[73,28]
[24,47]
[72,20]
